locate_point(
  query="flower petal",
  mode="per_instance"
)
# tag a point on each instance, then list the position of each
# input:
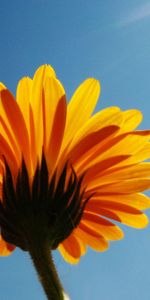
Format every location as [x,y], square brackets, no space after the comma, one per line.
[9,137]
[124,144]
[81,107]
[5,128]
[107,117]
[2,86]
[126,172]
[104,227]
[140,155]
[128,143]
[17,123]
[90,237]
[130,186]
[5,248]
[90,141]
[70,249]
[23,97]
[138,200]
[57,133]
[7,152]
[39,78]
[54,118]
[53,91]
[131,119]
[95,173]
[119,212]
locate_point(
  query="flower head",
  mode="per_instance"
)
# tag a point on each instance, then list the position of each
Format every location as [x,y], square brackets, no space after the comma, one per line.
[65,174]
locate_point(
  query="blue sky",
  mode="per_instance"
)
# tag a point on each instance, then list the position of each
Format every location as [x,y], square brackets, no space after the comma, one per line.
[110,41]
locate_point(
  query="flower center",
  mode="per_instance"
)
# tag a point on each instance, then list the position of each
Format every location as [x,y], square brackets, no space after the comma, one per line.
[49,209]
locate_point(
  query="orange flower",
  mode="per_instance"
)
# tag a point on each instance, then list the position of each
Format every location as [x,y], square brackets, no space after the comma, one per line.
[68,169]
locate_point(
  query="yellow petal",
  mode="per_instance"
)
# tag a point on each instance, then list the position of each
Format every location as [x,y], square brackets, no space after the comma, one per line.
[106,117]
[119,212]
[81,107]
[54,118]
[53,91]
[131,186]
[131,119]
[130,144]
[104,227]
[2,86]
[126,172]
[39,78]
[124,144]
[82,148]
[140,155]
[23,97]
[95,173]
[138,200]
[34,154]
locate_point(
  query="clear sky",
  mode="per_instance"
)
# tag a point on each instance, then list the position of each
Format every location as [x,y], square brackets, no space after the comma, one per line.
[109,40]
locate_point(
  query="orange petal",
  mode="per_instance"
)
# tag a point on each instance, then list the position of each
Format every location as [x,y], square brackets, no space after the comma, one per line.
[6,151]
[9,137]
[6,130]
[70,249]
[5,248]
[57,132]
[1,188]
[90,237]
[17,124]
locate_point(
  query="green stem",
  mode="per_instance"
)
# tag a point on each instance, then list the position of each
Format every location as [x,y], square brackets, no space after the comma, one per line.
[43,262]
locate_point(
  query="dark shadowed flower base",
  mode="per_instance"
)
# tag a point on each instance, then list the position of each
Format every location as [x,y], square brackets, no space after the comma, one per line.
[38,218]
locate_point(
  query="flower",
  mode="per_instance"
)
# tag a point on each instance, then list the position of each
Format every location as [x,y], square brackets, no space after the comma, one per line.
[67,174]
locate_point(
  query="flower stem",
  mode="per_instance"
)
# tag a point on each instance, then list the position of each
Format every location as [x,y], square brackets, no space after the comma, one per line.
[43,262]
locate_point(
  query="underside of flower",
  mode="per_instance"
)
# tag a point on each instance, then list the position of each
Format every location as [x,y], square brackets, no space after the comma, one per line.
[51,208]
[67,176]
[55,156]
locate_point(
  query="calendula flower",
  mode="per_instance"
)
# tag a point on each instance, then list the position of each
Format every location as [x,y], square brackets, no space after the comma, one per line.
[66,174]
